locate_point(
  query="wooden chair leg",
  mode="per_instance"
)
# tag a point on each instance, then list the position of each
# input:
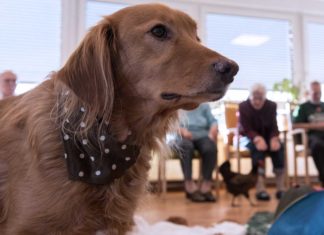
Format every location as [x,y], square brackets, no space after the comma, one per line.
[305,141]
[295,169]
[287,179]
[307,181]
[217,186]
[162,182]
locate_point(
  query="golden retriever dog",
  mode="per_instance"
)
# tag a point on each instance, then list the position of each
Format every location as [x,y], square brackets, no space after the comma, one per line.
[75,151]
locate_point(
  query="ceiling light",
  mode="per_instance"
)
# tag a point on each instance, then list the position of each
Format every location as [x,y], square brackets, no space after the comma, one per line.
[250,40]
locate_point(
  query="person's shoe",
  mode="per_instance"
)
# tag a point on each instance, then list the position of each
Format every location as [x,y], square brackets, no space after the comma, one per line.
[195,196]
[279,194]
[209,197]
[262,196]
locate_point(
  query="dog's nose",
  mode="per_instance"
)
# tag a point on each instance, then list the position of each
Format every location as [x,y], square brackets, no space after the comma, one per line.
[227,69]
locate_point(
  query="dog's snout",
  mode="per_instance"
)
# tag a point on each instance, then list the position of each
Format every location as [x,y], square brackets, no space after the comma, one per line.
[223,67]
[226,69]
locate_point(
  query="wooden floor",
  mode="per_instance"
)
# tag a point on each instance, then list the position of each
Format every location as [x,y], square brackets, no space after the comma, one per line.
[154,208]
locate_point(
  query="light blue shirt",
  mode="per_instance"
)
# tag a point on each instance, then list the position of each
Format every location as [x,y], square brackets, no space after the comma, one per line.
[199,121]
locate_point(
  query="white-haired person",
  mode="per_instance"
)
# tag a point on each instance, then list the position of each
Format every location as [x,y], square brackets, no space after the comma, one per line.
[258,122]
[7,84]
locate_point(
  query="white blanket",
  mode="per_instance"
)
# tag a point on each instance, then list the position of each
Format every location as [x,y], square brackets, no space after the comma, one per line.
[167,228]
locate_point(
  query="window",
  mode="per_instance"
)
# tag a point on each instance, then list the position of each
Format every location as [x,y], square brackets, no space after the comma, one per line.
[96,10]
[315,51]
[261,47]
[30,41]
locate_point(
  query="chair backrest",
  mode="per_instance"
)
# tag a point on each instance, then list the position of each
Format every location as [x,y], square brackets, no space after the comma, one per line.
[233,148]
[231,115]
[297,138]
[231,120]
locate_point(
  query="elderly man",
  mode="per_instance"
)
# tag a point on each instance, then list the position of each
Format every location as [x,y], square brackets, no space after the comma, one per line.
[310,115]
[258,122]
[7,84]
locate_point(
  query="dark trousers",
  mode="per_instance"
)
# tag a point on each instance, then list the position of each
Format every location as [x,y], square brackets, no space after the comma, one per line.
[207,150]
[277,157]
[316,145]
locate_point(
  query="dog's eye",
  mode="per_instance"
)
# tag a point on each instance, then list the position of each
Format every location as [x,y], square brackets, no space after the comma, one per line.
[159,31]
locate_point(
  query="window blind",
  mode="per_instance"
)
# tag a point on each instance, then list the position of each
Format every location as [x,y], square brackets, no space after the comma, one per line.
[96,10]
[30,41]
[261,46]
[315,50]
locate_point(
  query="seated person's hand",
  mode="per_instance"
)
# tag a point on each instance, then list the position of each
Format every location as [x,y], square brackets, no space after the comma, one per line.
[185,133]
[212,137]
[274,144]
[260,143]
[213,132]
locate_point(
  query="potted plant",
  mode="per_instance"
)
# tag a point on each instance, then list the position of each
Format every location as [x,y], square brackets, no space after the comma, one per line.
[288,87]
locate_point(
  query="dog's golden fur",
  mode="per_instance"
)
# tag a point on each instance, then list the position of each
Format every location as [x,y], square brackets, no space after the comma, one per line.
[118,73]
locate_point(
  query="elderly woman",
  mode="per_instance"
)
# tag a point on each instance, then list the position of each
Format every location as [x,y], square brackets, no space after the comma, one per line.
[7,84]
[198,132]
[259,124]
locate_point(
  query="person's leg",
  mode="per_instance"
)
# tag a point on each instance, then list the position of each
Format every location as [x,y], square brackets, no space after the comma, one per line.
[278,162]
[208,151]
[185,149]
[258,158]
[316,145]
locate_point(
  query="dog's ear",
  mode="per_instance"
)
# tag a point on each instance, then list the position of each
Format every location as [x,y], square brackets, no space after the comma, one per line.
[88,72]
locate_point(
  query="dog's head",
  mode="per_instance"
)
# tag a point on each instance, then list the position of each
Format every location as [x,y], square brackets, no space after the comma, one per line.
[147,52]
[161,45]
